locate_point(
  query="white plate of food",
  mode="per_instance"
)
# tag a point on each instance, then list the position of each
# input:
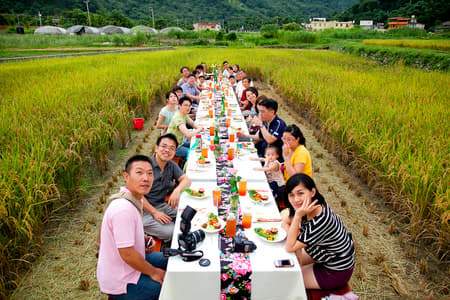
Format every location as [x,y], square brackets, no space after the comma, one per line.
[258,197]
[212,223]
[273,234]
[196,193]
[203,162]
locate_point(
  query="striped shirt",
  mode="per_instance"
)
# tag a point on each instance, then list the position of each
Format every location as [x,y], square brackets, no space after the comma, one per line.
[327,241]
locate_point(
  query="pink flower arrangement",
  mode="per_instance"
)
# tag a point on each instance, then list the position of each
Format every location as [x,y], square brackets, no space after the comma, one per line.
[241,266]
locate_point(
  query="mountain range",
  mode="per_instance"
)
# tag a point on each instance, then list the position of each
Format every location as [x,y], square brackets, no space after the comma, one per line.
[187,10]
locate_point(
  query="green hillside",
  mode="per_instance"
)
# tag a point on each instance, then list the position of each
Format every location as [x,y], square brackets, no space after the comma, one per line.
[225,11]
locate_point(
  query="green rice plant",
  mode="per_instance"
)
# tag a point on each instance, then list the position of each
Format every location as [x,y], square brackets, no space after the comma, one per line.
[57,118]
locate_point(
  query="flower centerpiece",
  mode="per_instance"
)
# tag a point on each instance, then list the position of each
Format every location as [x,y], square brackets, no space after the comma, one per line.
[234,192]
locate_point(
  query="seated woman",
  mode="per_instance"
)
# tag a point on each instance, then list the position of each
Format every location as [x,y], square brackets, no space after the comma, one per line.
[323,247]
[296,157]
[246,83]
[251,95]
[167,112]
[178,126]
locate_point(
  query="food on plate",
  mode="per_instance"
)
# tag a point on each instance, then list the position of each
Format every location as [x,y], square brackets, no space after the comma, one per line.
[257,197]
[269,234]
[212,223]
[202,161]
[196,193]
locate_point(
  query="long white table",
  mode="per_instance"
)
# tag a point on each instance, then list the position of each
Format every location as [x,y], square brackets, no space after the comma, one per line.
[189,280]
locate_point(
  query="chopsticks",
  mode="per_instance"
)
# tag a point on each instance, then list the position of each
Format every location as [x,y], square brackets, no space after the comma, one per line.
[197,170]
[267,220]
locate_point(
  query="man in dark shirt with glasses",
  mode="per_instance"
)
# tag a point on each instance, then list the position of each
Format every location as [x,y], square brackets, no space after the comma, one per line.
[159,214]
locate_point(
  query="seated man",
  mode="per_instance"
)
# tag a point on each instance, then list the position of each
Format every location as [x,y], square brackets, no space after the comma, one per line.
[271,127]
[178,127]
[189,88]
[184,75]
[159,215]
[126,268]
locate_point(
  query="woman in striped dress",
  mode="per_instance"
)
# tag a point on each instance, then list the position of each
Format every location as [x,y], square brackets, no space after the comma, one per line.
[318,237]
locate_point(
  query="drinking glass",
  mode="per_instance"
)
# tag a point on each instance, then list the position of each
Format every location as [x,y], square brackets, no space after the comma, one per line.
[205,152]
[230,153]
[242,187]
[217,194]
[247,218]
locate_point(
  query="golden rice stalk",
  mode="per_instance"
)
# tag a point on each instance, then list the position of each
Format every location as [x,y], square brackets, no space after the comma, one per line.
[84,285]
[392,227]
[348,210]
[423,266]
[379,258]
[365,230]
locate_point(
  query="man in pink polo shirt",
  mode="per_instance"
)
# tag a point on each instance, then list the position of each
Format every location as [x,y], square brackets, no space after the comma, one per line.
[126,268]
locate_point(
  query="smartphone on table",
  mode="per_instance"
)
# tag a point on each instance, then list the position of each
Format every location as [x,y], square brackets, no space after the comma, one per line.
[284,263]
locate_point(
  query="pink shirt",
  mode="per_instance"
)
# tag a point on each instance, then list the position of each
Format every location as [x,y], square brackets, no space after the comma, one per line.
[121,227]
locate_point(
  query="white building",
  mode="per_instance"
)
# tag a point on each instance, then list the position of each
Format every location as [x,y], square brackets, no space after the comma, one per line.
[366,24]
[205,26]
[322,23]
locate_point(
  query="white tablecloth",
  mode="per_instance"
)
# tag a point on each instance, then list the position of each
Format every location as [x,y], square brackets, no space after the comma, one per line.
[189,280]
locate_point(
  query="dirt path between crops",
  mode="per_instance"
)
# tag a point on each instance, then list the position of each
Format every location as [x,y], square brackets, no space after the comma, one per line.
[383,269]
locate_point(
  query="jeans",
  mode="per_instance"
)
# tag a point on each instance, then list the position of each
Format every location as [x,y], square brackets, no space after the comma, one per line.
[183,150]
[146,288]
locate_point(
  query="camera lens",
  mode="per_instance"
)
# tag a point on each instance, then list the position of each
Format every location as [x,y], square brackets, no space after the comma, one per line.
[198,235]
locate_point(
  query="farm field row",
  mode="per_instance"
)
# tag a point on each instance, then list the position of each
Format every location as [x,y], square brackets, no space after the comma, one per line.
[59,116]
[443,45]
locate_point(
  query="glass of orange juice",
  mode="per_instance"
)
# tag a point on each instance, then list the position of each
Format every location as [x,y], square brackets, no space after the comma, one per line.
[247,218]
[226,104]
[231,137]
[210,113]
[212,131]
[210,95]
[217,194]
[205,152]
[231,225]
[227,122]
[230,153]
[242,187]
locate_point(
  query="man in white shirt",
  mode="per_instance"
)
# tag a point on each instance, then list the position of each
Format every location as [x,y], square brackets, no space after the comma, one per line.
[226,73]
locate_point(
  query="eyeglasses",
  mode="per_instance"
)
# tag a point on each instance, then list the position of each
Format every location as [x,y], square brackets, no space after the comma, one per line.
[187,256]
[165,146]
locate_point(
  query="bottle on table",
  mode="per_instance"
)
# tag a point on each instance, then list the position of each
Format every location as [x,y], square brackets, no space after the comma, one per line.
[216,137]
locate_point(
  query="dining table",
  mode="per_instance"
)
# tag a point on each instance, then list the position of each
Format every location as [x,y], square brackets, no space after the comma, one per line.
[227,274]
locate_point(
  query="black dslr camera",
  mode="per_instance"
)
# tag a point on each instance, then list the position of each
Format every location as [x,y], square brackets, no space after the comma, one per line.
[188,240]
[242,244]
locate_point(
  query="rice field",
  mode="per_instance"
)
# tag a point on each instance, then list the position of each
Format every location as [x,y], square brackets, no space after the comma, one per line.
[442,45]
[59,117]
